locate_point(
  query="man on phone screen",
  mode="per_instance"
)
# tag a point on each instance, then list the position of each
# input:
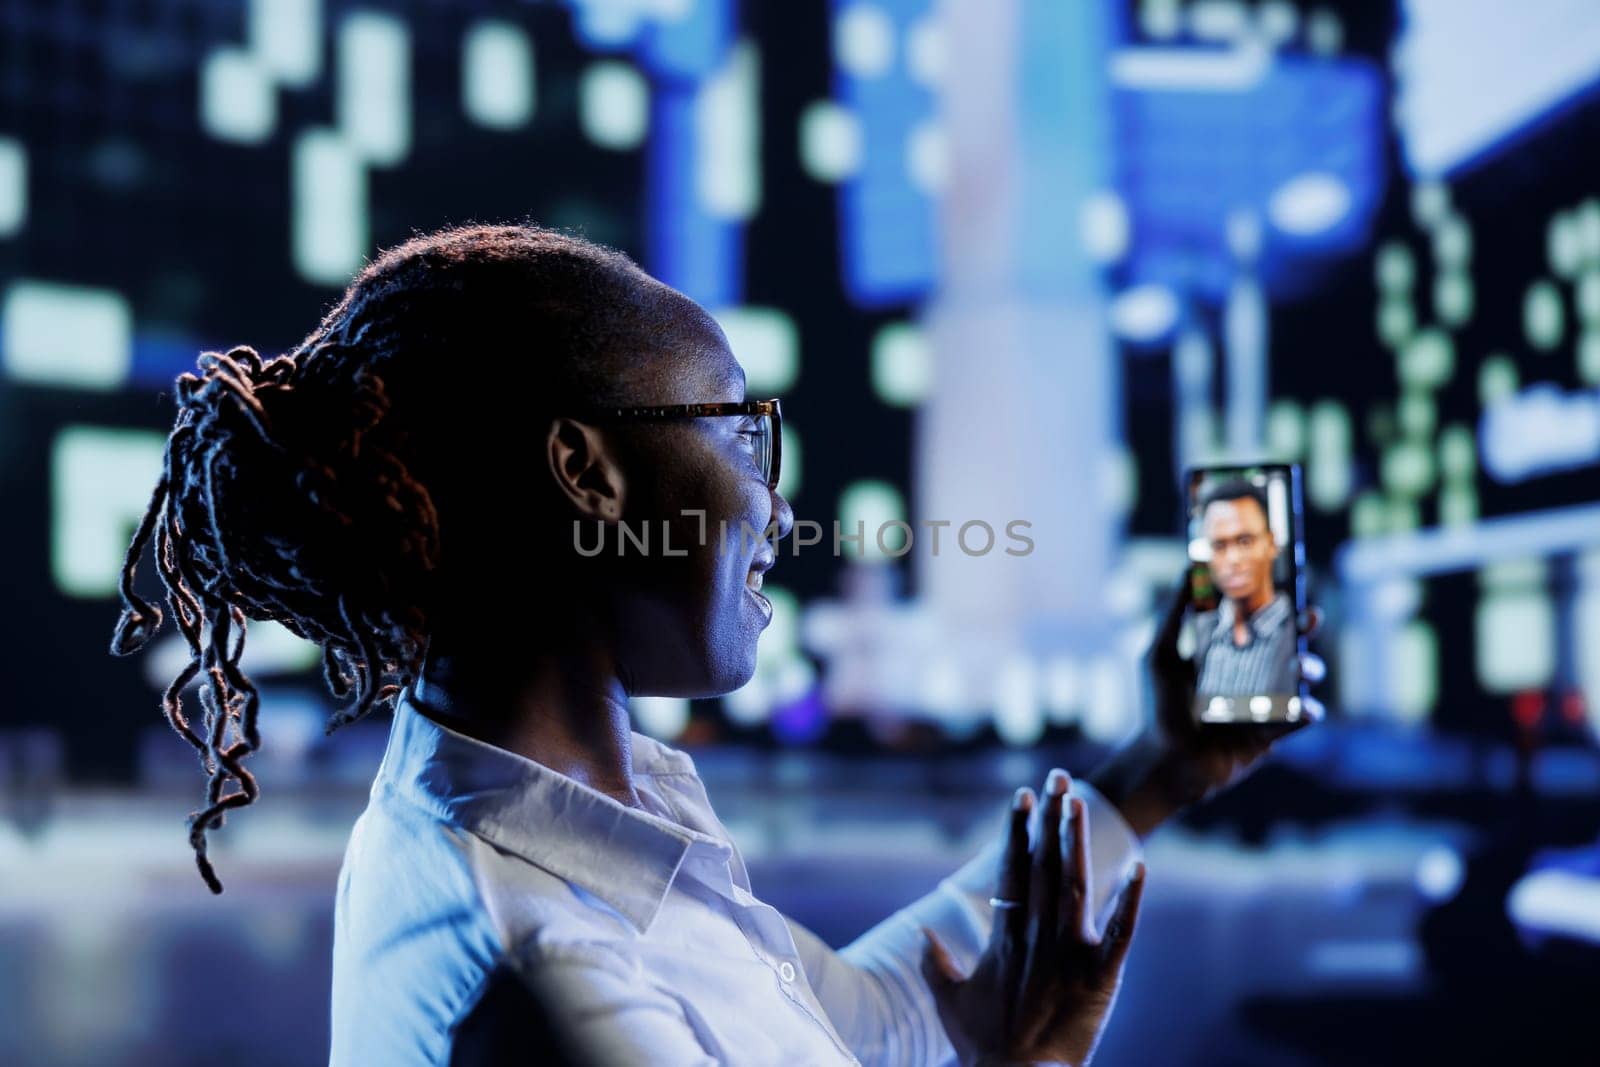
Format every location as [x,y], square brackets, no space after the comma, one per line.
[1249,644]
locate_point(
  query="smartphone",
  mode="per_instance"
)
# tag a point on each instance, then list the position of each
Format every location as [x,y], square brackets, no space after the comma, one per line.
[1246,572]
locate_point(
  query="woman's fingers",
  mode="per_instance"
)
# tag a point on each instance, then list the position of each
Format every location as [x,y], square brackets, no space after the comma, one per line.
[938,962]
[1011,894]
[1165,650]
[1312,668]
[1044,889]
[1310,621]
[939,970]
[1013,881]
[1075,875]
[1119,931]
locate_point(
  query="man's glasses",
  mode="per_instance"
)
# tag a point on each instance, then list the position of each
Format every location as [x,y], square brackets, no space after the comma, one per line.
[766,431]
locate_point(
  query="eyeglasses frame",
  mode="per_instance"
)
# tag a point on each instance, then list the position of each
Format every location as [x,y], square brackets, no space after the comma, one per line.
[720,409]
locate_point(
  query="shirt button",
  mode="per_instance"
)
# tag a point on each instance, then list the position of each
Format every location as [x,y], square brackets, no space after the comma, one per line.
[786,971]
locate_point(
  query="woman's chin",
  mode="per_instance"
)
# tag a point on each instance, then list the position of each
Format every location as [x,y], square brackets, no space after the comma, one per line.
[735,672]
[741,671]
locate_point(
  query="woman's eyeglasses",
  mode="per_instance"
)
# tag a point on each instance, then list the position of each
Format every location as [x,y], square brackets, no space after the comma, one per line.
[766,434]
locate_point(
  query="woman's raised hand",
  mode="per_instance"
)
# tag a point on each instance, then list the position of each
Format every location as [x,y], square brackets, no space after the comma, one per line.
[1042,989]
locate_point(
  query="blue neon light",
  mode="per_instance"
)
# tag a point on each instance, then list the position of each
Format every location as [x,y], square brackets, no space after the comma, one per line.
[687,248]
[691,251]
[1189,156]
[1479,75]
[888,226]
[691,47]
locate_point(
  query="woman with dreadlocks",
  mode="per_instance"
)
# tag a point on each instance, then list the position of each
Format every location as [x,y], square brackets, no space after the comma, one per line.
[406,489]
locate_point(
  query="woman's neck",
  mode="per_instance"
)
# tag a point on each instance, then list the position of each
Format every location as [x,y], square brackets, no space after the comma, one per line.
[565,709]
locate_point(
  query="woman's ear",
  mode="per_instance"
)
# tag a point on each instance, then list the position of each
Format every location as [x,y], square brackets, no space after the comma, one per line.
[586,470]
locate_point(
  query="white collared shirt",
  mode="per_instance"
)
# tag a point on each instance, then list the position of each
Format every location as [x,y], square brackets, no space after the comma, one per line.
[639,927]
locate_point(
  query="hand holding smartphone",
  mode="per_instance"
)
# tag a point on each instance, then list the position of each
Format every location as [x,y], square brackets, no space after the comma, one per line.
[1246,569]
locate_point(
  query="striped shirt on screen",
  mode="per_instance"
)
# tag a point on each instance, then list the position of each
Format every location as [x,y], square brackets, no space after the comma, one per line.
[1267,663]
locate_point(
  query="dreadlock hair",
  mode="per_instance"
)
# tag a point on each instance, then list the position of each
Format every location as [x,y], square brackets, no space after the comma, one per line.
[315,488]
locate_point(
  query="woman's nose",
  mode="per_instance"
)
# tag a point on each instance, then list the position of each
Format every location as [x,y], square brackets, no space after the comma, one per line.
[782,514]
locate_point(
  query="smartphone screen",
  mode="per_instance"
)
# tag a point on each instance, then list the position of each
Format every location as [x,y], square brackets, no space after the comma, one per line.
[1246,562]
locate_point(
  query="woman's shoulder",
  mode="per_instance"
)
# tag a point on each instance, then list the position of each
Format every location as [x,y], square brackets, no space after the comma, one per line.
[427,911]
[407,867]
[411,940]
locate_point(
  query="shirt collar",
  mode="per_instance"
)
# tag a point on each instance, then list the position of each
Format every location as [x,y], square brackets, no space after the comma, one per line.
[626,857]
[1262,624]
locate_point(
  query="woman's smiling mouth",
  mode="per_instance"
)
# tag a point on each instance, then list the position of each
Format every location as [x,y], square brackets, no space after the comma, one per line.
[753,579]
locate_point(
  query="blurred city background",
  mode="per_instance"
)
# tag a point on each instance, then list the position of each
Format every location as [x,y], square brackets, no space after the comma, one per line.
[1003,260]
